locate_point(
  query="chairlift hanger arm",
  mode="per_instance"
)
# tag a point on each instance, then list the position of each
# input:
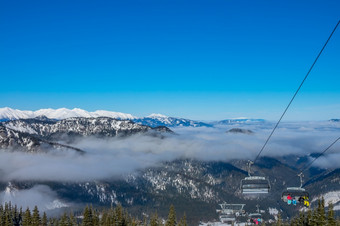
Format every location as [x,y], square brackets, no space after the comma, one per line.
[249,167]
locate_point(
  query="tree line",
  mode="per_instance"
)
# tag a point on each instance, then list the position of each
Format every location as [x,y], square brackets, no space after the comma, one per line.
[13,216]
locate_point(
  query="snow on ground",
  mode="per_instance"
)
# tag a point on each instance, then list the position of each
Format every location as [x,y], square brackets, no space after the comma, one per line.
[273,211]
[337,207]
[61,113]
[333,197]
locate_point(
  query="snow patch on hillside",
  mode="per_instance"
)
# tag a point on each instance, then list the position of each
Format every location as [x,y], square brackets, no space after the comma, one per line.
[154,115]
[333,197]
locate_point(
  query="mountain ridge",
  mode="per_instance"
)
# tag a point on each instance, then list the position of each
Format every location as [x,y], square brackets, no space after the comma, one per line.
[7,113]
[29,134]
[152,120]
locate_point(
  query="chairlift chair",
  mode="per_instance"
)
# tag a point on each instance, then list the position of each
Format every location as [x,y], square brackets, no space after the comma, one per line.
[295,193]
[227,218]
[256,216]
[254,184]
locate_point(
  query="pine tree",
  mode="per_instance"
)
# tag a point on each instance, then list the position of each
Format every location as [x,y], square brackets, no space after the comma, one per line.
[110,219]
[7,215]
[52,222]
[73,220]
[95,218]
[44,220]
[183,221]
[301,220]
[2,215]
[104,218]
[134,222]
[16,216]
[36,217]
[145,222]
[171,217]
[119,215]
[320,217]
[279,220]
[27,219]
[330,216]
[87,220]
[294,222]
[309,217]
[64,221]
[8,219]
[154,221]
[315,216]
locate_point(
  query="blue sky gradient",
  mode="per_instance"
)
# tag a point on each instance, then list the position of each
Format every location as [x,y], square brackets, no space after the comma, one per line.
[195,59]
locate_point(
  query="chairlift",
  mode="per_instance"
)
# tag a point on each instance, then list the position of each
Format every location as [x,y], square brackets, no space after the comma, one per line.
[229,212]
[296,195]
[227,218]
[254,184]
[256,218]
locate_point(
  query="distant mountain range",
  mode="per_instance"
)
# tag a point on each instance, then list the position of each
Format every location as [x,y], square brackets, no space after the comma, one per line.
[153,120]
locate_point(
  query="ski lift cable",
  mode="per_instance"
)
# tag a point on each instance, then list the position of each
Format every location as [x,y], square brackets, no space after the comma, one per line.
[296,92]
[320,154]
[304,168]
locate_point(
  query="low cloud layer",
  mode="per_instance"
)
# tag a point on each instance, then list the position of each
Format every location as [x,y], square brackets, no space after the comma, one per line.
[40,195]
[110,158]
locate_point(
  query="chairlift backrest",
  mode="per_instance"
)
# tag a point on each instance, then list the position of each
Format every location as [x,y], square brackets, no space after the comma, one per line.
[255,185]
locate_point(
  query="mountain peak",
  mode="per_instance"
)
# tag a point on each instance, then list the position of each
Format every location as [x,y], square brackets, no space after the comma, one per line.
[60,113]
[154,115]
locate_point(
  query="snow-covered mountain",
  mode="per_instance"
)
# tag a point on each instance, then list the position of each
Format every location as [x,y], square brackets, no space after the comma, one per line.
[101,126]
[154,120]
[30,134]
[61,113]
[15,140]
[190,183]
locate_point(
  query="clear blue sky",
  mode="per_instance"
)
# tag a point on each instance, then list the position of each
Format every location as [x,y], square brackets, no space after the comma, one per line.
[197,59]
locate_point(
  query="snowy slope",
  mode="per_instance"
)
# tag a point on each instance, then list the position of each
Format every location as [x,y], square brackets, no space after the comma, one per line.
[61,113]
[155,120]
[9,113]
[152,120]
[15,140]
[101,126]
[330,197]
